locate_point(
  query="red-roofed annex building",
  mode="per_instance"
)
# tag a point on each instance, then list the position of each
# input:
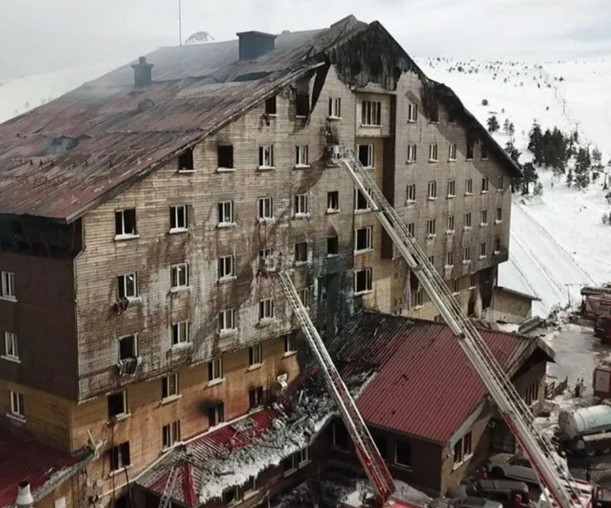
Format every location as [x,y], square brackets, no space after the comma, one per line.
[136,210]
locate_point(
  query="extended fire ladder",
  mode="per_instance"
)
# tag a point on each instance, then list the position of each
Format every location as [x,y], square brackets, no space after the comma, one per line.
[368,453]
[550,468]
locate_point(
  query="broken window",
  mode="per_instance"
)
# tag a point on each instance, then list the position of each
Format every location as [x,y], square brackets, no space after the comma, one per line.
[371,113]
[332,246]
[128,347]
[179,275]
[169,386]
[302,104]
[362,281]
[170,434]
[270,106]
[17,404]
[216,414]
[215,369]
[411,153]
[301,252]
[225,267]
[224,155]
[485,185]
[335,107]
[117,404]
[180,333]
[255,397]
[301,207]
[363,239]
[466,256]
[468,186]
[361,201]
[410,193]
[266,157]
[8,286]
[450,223]
[366,156]
[185,160]
[432,190]
[433,152]
[482,250]
[452,188]
[341,439]
[266,258]
[11,346]
[484,218]
[412,112]
[332,201]
[470,148]
[411,228]
[225,209]
[178,218]
[120,456]
[301,156]
[127,285]
[265,208]
[125,222]
[403,454]
[255,355]
[467,220]
[231,496]
[266,309]
[431,227]
[227,320]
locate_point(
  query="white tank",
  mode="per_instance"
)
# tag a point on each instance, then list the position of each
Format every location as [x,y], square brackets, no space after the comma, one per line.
[587,420]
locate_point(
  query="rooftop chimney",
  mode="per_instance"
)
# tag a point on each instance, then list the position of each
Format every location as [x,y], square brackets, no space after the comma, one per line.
[142,72]
[254,44]
[24,495]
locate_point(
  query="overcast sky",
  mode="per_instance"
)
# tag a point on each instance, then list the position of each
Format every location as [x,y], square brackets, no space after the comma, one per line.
[41,35]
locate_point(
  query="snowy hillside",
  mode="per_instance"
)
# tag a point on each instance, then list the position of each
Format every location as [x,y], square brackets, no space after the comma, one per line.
[22,94]
[558,241]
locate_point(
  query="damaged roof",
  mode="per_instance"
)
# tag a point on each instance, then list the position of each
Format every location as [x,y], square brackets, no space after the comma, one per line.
[424,385]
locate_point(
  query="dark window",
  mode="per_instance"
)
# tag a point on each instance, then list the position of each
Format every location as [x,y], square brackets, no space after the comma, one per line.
[341,439]
[361,201]
[270,106]
[382,445]
[116,404]
[403,454]
[255,397]
[435,112]
[216,414]
[470,148]
[451,115]
[185,160]
[484,151]
[301,252]
[332,246]
[125,222]
[362,280]
[332,201]
[120,456]
[128,347]
[230,496]
[302,104]
[225,156]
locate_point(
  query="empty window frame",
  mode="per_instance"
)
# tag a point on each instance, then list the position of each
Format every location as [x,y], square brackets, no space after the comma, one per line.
[127,285]
[410,193]
[366,155]
[266,156]
[434,112]
[120,457]
[431,191]
[301,205]
[485,185]
[499,215]
[304,297]
[450,224]
[128,347]
[224,155]
[341,438]
[270,106]
[302,104]
[8,286]
[451,188]
[332,201]
[371,113]
[497,246]
[412,112]
[186,160]
[335,107]
[484,218]
[361,203]
[226,269]
[266,258]
[169,386]
[216,414]
[215,369]
[332,246]
[225,213]
[431,227]
[179,275]
[449,259]
[255,397]
[266,309]
[452,152]
[301,252]
[125,222]
[468,220]
[482,250]
[363,239]
[11,346]
[483,151]
[411,229]
[433,148]
[418,298]
[302,156]
[470,148]
[403,454]
[117,404]
[178,218]
[17,404]
[412,153]
[180,333]
[362,280]
[265,208]
[468,186]
[170,434]
[227,321]
[466,255]
[500,185]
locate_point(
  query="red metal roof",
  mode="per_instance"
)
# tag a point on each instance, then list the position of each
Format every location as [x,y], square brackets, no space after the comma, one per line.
[424,386]
[22,459]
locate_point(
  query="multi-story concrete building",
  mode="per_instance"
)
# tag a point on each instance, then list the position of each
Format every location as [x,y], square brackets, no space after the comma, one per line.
[137,210]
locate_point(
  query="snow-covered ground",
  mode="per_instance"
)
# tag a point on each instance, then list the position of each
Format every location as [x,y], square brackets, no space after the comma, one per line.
[22,94]
[558,241]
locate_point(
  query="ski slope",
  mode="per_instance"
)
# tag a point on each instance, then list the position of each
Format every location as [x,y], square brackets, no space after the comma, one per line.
[558,241]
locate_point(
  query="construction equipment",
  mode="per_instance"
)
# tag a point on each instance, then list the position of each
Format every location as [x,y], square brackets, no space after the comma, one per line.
[551,470]
[169,488]
[367,452]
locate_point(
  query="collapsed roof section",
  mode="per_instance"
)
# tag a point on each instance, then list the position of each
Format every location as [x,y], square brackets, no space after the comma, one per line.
[123,132]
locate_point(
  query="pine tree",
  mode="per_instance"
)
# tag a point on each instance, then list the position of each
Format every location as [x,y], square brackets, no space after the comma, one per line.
[493,124]
[506,126]
[535,142]
[596,156]
[569,177]
[582,168]
[529,175]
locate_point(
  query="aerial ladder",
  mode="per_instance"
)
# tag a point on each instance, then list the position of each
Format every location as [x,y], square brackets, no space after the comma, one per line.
[550,468]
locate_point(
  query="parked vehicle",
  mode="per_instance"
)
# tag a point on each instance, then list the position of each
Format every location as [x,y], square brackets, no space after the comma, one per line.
[509,493]
[587,430]
[474,502]
[515,472]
